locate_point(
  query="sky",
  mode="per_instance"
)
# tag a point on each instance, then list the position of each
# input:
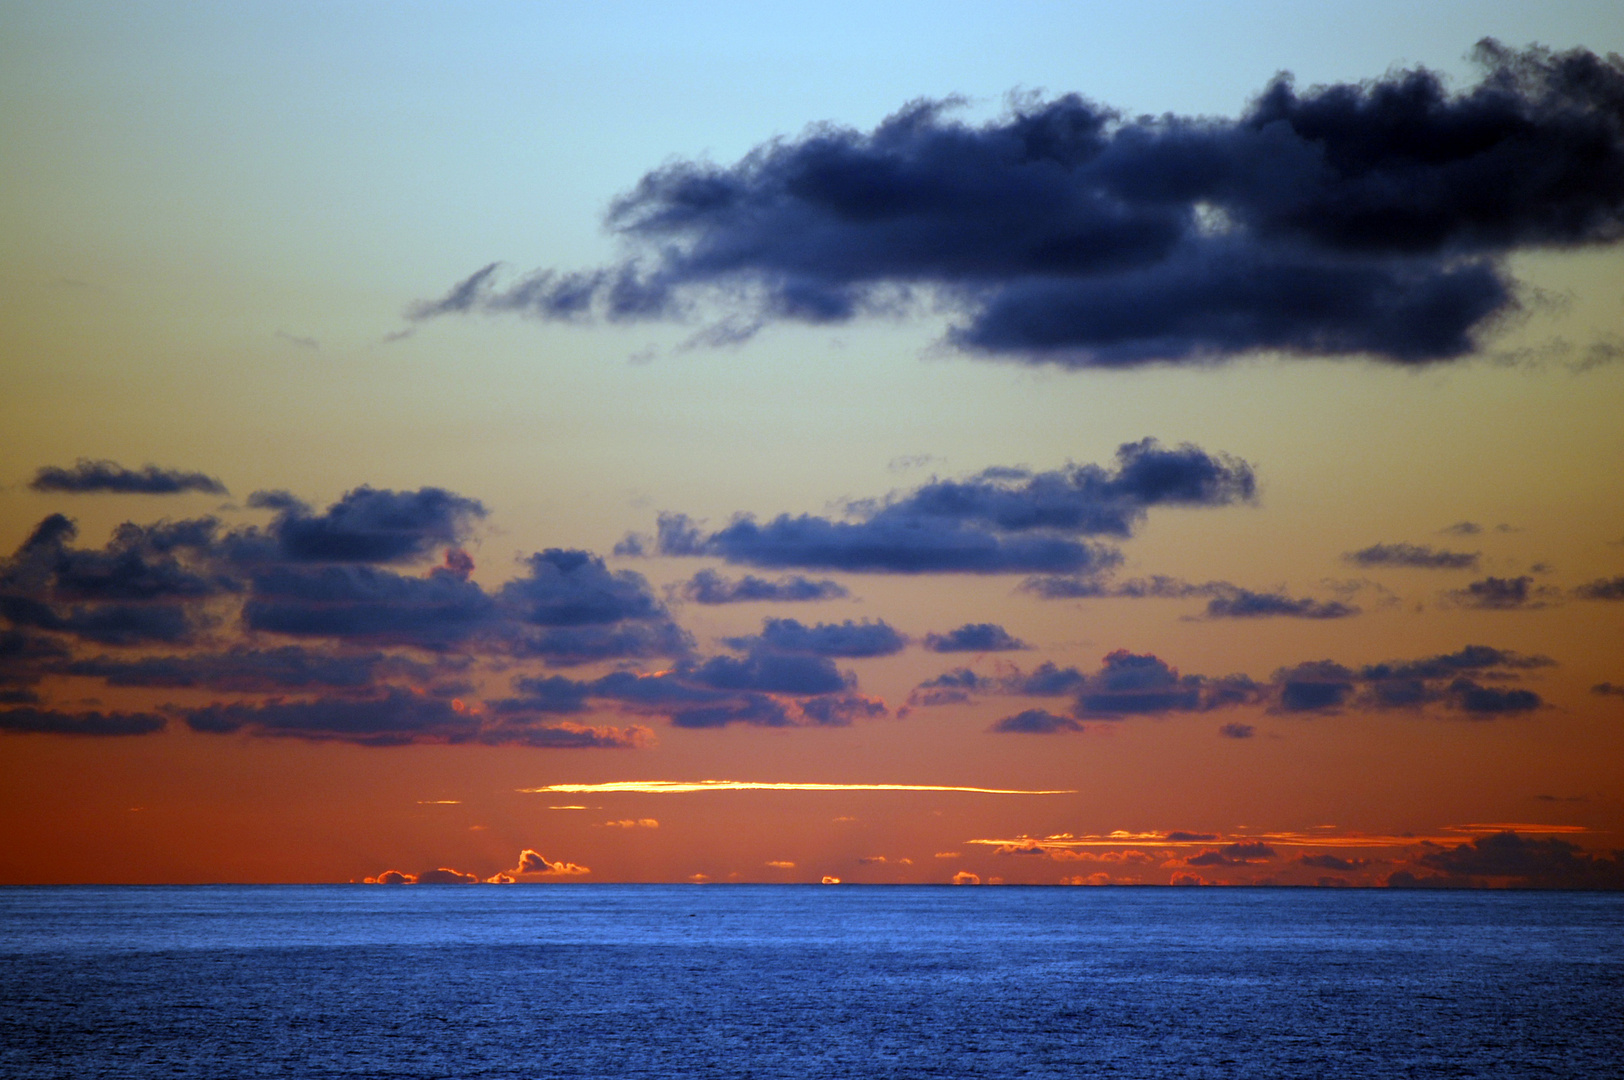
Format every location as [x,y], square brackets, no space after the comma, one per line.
[1042,444]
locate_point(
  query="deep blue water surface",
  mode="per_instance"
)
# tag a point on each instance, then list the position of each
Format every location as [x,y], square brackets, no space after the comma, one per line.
[806,982]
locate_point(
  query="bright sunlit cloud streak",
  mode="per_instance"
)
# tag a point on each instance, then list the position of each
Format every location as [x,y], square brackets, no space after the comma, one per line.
[673,787]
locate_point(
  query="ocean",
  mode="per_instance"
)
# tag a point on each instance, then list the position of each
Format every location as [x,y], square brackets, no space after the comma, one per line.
[807,982]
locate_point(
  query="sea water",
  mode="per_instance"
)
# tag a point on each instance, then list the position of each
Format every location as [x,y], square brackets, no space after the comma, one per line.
[807,982]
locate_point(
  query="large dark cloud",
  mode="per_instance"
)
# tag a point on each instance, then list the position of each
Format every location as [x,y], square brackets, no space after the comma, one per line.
[106,476]
[145,585]
[1508,858]
[1371,218]
[1000,521]
[1413,555]
[848,639]
[709,587]
[1037,722]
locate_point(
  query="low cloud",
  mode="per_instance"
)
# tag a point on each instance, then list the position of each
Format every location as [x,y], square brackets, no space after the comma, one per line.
[1508,859]
[32,721]
[1501,594]
[1601,589]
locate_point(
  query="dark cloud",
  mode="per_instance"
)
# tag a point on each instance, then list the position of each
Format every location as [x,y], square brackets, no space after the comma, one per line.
[1606,688]
[29,721]
[106,476]
[1045,680]
[366,603]
[846,639]
[1447,678]
[1333,862]
[840,710]
[1000,521]
[136,589]
[1037,722]
[1132,684]
[709,587]
[1484,701]
[950,688]
[575,588]
[975,637]
[396,718]
[368,525]
[1225,600]
[771,672]
[1602,589]
[1463,528]
[1246,604]
[1371,218]
[1413,555]
[1237,731]
[1314,686]
[1499,594]
[1243,853]
[1508,858]
[568,646]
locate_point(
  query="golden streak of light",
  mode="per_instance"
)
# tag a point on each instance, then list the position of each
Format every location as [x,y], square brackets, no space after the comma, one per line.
[672,787]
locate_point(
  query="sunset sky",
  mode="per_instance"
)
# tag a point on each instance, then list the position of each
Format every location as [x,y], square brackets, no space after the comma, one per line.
[1026,443]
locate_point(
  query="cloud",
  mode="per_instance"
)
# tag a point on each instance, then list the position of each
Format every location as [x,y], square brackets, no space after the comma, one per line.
[137,589]
[575,588]
[709,587]
[1606,688]
[1421,556]
[1323,685]
[846,639]
[109,477]
[999,521]
[31,721]
[1371,219]
[965,877]
[399,717]
[1510,859]
[368,525]
[1237,731]
[1333,862]
[1225,600]
[367,603]
[246,670]
[1601,589]
[444,875]
[975,637]
[533,862]
[633,823]
[1037,722]
[1246,604]
[1242,853]
[1499,594]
